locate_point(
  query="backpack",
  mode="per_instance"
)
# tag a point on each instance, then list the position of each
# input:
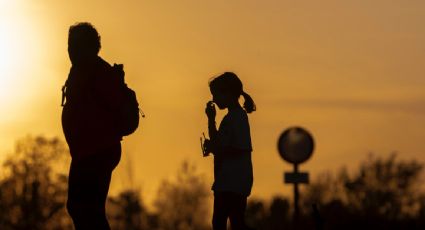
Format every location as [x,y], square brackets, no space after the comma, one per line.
[127,116]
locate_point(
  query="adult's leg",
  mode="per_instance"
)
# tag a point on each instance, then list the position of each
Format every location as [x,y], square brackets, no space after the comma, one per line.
[221,211]
[85,199]
[89,181]
[237,212]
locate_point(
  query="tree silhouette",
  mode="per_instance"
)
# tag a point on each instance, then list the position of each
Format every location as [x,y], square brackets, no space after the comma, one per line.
[278,216]
[33,186]
[263,215]
[385,187]
[382,193]
[256,213]
[183,204]
[127,211]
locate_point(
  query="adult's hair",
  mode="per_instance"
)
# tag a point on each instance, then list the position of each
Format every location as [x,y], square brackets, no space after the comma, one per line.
[84,39]
[229,83]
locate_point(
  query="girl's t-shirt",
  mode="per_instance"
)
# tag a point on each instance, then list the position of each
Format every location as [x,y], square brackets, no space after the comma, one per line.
[233,173]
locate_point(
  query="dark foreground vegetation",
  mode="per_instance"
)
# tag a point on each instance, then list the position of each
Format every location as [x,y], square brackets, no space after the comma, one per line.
[382,193]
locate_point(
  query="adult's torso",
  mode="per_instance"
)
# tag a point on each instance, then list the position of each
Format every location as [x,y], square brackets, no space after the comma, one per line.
[88,125]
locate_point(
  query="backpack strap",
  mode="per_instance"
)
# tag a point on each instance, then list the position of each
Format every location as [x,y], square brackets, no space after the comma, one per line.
[65,87]
[64,92]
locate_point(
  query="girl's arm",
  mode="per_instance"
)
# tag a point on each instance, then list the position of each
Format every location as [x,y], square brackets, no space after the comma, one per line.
[212,129]
[209,144]
[211,113]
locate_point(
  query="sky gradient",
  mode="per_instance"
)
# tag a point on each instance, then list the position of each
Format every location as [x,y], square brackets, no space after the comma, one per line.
[351,72]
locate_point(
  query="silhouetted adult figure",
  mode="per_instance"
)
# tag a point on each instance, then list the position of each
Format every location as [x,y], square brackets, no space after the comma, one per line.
[92,97]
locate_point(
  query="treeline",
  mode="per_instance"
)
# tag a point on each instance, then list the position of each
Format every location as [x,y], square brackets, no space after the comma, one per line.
[382,193]
[33,193]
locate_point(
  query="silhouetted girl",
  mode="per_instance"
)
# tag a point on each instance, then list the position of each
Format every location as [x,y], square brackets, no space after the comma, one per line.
[231,146]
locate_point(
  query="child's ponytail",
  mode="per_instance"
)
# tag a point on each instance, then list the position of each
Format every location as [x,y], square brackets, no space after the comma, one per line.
[229,83]
[248,104]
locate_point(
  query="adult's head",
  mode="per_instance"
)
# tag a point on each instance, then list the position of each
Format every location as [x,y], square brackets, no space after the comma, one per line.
[83,42]
[227,88]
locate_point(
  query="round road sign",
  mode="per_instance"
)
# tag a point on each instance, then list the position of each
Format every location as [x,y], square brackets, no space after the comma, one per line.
[296,145]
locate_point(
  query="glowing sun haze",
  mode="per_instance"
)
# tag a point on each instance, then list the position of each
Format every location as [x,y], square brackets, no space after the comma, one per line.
[351,72]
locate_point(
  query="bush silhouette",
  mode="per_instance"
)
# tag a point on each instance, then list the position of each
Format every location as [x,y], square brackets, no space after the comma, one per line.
[34,187]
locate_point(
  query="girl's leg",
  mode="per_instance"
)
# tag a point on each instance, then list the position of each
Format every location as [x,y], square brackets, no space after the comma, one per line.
[237,212]
[221,211]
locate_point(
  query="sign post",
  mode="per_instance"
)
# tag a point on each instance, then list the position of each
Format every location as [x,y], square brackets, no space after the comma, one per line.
[296,146]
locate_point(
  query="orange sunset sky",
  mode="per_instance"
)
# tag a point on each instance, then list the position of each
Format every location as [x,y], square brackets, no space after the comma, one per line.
[351,72]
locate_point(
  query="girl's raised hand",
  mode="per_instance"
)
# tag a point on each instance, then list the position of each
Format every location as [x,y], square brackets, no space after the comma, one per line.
[207,147]
[210,110]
